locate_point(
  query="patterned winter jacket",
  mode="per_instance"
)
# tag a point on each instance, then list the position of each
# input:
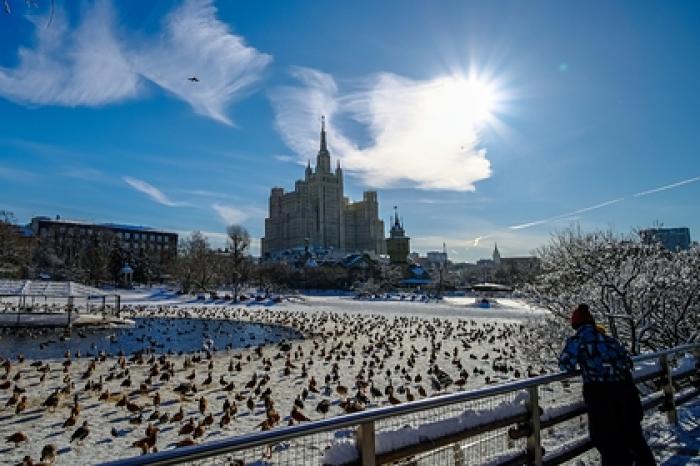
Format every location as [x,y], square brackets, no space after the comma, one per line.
[600,357]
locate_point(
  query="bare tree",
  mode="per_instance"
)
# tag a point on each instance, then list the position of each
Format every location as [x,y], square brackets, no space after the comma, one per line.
[96,252]
[236,267]
[10,255]
[195,266]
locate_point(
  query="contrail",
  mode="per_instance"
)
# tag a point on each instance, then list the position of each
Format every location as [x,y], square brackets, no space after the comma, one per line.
[533,223]
[669,186]
[569,214]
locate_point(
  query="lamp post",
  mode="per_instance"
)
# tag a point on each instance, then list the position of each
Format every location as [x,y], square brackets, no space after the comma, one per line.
[127,274]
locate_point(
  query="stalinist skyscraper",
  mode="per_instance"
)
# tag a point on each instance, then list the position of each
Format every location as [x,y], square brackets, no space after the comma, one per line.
[318,214]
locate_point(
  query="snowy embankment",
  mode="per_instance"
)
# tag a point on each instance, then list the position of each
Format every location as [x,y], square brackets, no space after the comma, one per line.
[60,319]
[446,307]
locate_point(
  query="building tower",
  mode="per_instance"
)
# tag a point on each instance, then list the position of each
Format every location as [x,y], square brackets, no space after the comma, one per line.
[398,245]
[323,159]
[496,255]
[316,215]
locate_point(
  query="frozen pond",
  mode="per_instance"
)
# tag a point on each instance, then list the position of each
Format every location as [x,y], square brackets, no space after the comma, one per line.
[162,335]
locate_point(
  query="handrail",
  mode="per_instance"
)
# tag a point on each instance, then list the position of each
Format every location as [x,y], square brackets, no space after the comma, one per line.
[256,439]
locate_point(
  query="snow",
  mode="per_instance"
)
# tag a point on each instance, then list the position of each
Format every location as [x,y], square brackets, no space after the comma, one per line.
[686,363]
[556,411]
[47,288]
[392,440]
[644,368]
[406,323]
[460,307]
[61,320]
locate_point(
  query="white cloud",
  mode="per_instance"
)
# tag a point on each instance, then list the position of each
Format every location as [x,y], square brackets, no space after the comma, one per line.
[234,215]
[93,64]
[287,158]
[151,191]
[196,43]
[205,193]
[85,66]
[421,134]
[229,214]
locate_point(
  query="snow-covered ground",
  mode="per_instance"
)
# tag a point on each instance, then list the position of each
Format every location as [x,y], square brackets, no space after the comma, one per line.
[459,307]
[388,342]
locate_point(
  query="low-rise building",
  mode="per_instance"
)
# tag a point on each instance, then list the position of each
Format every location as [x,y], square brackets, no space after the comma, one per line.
[131,238]
[673,239]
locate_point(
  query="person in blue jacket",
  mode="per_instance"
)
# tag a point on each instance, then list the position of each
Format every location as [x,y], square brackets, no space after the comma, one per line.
[612,400]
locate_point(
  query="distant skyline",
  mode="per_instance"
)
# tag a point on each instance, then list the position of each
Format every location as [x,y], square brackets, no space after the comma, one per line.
[483,121]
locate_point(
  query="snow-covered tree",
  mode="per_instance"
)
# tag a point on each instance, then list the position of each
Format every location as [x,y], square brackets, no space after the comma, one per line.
[644,295]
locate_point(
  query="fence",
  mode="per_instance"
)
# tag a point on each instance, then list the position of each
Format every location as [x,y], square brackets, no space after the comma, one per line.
[55,310]
[516,423]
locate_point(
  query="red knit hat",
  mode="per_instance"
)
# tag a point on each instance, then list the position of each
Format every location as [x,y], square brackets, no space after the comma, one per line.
[581,316]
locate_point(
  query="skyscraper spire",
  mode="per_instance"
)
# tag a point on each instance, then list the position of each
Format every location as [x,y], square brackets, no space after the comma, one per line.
[323,159]
[323,134]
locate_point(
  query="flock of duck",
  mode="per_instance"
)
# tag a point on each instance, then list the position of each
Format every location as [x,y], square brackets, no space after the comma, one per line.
[78,406]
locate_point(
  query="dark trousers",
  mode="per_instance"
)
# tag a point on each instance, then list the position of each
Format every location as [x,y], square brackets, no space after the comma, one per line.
[614,423]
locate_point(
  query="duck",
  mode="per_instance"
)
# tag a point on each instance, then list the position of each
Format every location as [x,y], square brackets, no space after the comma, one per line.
[298,416]
[179,416]
[323,406]
[17,438]
[80,433]
[70,422]
[187,428]
[22,405]
[48,453]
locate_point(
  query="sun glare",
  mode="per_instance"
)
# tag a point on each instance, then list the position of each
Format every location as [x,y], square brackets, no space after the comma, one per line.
[474,98]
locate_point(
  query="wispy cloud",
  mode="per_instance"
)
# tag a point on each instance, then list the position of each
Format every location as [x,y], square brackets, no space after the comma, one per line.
[229,214]
[95,64]
[81,173]
[85,66]
[195,42]
[151,191]
[414,140]
[509,242]
[287,158]
[16,174]
[205,193]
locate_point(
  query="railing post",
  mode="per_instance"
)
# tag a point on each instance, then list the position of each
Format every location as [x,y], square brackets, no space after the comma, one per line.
[695,379]
[669,399]
[534,444]
[458,454]
[365,441]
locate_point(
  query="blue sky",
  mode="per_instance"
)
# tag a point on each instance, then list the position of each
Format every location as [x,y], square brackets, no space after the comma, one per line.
[589,107]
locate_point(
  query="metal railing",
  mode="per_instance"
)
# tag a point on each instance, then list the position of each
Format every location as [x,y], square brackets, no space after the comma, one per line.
[368,427]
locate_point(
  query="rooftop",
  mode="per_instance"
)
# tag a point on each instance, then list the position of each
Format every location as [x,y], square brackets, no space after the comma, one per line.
[47,288]
[120,226]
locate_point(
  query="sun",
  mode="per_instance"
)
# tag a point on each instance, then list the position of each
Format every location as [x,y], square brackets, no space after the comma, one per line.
[475,97]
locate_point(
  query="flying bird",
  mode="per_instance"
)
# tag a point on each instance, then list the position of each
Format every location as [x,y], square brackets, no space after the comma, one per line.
[193,79]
